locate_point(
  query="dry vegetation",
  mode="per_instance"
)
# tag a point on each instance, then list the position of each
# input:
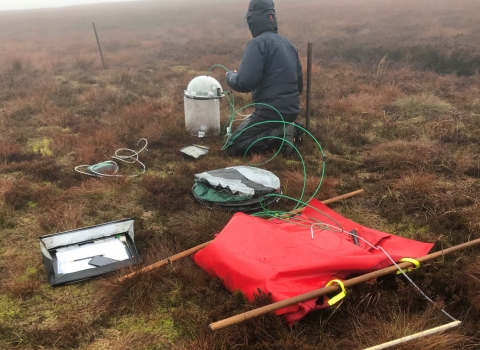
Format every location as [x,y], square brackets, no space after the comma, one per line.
[406,129]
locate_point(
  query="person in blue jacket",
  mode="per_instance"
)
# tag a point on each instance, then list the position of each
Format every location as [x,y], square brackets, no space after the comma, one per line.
[272,71]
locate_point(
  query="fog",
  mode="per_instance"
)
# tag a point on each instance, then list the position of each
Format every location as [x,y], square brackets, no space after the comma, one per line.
[9,5]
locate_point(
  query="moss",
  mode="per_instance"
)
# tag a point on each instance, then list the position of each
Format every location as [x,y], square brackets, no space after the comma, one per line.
[293,162]
[9,310]
[42,146]
[30,273]
[410,230]
[160,322]
[163,174]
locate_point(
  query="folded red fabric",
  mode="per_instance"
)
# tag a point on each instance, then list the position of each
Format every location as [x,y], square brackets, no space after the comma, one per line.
[291,257]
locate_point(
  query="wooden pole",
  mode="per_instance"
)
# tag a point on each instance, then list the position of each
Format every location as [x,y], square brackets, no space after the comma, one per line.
[309,83]
[333,288]
[327,201]
[415,336]
[339,198]
[99,47]
[166,261]
[203,245]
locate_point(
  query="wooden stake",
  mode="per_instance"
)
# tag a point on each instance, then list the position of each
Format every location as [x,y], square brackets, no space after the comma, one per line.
[309,83]
[333,288]
[327,201]
[99,47]
[166,261]
[415,336]
[203,245]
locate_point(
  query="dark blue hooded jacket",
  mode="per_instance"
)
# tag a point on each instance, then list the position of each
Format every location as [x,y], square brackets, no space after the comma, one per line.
[270,68]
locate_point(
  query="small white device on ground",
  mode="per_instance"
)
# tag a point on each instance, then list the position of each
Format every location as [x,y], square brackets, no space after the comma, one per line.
[195,151]
[87,252]
[202,106]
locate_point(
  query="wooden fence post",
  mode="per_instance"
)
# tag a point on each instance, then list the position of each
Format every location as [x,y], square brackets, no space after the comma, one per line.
[99,47]
[309,83]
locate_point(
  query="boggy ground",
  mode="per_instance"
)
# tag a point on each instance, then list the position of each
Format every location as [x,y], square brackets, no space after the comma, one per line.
[404,128]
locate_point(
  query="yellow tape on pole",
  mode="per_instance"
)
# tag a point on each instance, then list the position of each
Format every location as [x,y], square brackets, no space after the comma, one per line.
[414,262]
[340,295]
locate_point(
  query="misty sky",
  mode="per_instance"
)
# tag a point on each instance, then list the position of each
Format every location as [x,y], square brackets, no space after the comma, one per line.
[6,5]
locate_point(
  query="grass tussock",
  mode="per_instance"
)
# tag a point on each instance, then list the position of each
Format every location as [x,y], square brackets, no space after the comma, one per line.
[400,155]
[426,105]
[66,217]
[82,63]
[160,190]
[399,324]
[360,103]
[418,184]
[96,147]
[124,79]
[24,194]
[293,182]
[17,65]
[198,224]
[11,151]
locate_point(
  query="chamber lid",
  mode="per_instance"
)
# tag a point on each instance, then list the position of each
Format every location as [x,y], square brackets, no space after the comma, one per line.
[204,88]
[241,180]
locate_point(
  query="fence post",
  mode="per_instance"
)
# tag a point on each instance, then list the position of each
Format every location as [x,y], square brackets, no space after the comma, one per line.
[98,42]
[309,83]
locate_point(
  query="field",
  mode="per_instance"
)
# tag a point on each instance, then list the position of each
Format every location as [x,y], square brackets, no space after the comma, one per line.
[395,105]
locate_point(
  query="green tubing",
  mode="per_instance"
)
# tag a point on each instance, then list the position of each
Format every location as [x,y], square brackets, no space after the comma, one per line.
[279,214]
[229,123]
[217,65]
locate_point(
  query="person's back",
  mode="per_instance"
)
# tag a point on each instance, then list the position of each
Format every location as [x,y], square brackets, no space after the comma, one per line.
[279,86]
[271,70]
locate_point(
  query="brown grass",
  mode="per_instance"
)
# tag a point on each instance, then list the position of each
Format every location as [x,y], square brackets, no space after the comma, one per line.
[400,324]
[423,105]
[400,155]
[404,133]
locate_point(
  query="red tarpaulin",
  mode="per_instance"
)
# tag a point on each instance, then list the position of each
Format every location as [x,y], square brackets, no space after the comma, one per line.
[281,257]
